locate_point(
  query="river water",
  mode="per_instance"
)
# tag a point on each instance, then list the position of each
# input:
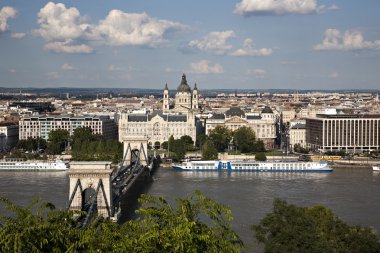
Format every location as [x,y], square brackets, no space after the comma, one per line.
[353,194]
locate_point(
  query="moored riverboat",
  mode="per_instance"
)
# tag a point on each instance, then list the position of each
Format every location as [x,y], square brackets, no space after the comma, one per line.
[34,165]
[253,166]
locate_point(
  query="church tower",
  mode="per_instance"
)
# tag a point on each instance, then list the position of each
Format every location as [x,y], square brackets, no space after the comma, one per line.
[183,96]
[195,98]
[165,100]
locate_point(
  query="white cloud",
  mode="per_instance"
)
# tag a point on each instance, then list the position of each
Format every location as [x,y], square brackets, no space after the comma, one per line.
[5,13]
[334,75]
[66,30]
[279,7]
[205,67]
[53,75]
[120,28]
[113,68]
[67,66]
[18,35]
[259,73]
[249,50]
[350,40]
[214,42]
[68,46]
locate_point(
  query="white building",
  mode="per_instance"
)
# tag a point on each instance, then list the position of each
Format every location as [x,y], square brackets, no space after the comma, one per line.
[40,126]
[263,124]
[297,135]
[8,136]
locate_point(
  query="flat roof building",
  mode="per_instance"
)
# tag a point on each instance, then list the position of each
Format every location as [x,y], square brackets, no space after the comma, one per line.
[352,133]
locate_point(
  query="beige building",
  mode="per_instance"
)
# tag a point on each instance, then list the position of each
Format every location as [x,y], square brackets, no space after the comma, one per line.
[157,127]
[263,124]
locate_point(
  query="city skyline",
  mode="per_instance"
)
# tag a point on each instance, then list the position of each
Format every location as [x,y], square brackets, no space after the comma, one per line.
[245,44]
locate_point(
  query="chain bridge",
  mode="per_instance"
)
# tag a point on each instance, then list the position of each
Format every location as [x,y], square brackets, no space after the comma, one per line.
[97,189]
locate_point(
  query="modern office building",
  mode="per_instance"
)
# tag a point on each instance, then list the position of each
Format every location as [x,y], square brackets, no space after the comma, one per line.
[352,133]
[40,126]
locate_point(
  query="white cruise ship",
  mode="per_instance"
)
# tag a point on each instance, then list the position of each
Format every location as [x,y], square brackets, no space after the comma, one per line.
[253,166]
[13,165]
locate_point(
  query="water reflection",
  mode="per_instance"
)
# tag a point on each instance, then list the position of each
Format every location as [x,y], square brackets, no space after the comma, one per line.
[195,175]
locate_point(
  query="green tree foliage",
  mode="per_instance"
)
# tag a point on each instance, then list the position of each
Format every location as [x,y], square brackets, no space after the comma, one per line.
[220,137]
[259,146]
[32,144]
[297,148]
[57,141]
[245,139]
[164,145]
[209,152]
[178,150]
[189,143]
[201,139]
[311,229]
[260,157]
[195,224]
[89,147]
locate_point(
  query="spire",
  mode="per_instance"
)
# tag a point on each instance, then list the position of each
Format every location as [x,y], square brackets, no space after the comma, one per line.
[184,78]
[195,86]
[166,86]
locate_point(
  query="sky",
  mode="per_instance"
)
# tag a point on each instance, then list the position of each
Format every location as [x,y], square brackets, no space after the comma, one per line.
[236,44]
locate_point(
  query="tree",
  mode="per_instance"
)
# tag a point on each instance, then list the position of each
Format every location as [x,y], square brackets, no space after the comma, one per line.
[189,143]
[244,138]
[57,141]
[311,229]
[201,139]
[195,224]
[209,152]
[178,150]
[259,146]
[297,148]
[220,137]
[164,145]
[260,157]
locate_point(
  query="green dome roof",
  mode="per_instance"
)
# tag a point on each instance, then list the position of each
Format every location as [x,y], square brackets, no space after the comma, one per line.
[183,87]
[267,110]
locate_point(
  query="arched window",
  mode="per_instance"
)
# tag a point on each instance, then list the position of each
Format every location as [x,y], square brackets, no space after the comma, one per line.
[156,129]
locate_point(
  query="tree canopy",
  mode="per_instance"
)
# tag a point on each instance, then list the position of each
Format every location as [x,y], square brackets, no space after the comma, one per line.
[220,137]
[194,224]
[57,141]
[209,152]
[245,139]
[289,228]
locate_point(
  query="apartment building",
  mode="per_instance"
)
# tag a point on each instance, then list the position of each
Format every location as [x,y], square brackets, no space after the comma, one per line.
[40,126]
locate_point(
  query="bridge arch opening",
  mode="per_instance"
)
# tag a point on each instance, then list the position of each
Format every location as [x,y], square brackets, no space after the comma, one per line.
[89,197]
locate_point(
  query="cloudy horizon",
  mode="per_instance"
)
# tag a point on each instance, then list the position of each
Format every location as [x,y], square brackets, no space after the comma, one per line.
[242,44]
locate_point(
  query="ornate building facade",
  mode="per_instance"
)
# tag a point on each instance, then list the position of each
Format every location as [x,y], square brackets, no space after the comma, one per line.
[264,124]
[185,98]
[157,126]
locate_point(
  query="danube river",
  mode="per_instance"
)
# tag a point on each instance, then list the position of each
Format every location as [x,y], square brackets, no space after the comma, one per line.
[353,194]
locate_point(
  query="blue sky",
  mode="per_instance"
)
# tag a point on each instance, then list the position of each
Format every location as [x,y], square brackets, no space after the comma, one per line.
[244,44]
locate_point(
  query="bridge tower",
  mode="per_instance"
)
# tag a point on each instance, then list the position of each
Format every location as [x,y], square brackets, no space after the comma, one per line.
[91,188]
[135,146]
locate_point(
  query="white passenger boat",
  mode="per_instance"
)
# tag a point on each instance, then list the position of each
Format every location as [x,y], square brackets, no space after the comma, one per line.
[253,166]
[14,165]
[376,167]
